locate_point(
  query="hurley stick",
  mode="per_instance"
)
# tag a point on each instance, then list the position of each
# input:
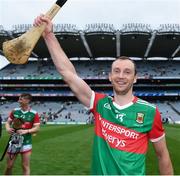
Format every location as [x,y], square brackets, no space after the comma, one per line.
[18,50]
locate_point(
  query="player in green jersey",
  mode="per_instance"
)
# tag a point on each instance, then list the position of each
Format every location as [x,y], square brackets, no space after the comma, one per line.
[21,139]
[123,123]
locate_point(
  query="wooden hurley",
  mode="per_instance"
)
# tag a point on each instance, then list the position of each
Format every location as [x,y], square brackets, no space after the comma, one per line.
[18,50]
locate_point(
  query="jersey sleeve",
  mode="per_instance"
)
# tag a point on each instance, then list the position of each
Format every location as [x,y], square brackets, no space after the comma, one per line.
[157,132]
[94,100]
[36,119]
[11,116]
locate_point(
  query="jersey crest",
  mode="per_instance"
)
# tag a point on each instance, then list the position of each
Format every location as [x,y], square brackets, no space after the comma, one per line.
[140,117]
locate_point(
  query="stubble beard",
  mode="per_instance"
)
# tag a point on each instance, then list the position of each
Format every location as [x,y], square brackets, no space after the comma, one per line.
[125,91]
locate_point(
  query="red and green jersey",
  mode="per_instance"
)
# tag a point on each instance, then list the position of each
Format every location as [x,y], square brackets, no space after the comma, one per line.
[122,134]
[29,118]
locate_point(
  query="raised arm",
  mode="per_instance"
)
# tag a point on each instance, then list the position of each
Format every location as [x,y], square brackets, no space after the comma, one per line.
[63,65]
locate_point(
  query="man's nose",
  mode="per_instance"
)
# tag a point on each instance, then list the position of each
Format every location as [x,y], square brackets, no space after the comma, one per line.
[121,75]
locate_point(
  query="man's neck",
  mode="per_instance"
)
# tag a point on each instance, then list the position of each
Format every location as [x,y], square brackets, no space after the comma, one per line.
[25,108]
[122,100]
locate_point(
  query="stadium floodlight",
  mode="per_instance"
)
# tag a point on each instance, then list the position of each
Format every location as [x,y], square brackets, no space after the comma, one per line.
[65,28]
[99,27]
[157,58]
[169,28]
[176,58]
[105,58]
[136,27]
[136,58]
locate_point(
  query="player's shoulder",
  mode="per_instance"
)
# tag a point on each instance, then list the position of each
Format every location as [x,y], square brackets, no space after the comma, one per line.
[33,111]
[145,103]
[16,109]
[99,96]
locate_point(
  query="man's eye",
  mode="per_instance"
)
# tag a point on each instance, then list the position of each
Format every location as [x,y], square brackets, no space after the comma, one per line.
[127,72]
[116,71]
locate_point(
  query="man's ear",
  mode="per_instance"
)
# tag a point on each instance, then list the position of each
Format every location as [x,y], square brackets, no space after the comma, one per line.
[135,79]
[109,77]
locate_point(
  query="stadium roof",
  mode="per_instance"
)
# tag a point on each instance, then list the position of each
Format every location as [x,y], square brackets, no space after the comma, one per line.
[103,40]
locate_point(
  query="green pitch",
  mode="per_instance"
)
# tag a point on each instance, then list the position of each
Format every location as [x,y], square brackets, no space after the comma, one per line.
[66,150]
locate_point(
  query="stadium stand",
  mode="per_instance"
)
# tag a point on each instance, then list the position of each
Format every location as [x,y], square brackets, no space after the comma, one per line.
[58,112]
[63,112]
[103,40]
[86,69]
[168,113]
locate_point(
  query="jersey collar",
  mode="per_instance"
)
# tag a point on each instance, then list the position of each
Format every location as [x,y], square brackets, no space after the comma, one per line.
[125,106]
[25,111]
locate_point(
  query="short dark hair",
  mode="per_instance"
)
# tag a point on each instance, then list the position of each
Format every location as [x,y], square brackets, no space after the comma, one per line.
[27,96]
[128,58]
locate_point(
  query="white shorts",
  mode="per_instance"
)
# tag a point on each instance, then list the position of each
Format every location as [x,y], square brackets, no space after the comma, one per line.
[24,149]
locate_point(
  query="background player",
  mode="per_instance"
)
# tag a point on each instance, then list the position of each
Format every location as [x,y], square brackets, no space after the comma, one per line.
[31,124]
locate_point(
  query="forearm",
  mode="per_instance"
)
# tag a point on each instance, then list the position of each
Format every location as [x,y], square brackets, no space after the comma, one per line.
[165,166]
[7,126]
[34,129]
[58,56]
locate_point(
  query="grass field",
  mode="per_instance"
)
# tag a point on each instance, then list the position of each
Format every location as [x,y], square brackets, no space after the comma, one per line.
[62,150]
